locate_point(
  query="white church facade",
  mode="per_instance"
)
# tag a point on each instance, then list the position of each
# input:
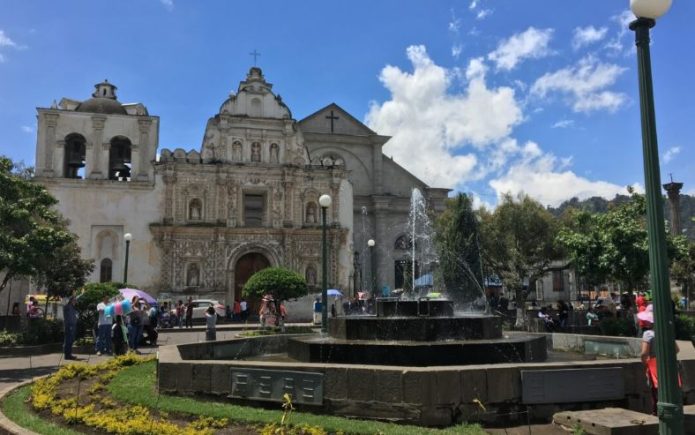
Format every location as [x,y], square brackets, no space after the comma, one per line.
[203,221]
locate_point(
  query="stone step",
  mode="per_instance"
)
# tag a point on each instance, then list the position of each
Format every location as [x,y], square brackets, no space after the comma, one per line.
[609,421]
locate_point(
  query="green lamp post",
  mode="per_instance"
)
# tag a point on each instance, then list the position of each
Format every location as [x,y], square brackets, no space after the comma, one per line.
[670,402]
[324,202]
[127,237]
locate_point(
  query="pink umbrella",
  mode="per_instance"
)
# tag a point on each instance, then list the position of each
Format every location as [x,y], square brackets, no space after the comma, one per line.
[129,293]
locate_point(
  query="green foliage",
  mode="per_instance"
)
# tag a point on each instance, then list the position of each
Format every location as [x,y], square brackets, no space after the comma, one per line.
[683,268]
[518,242]
[282,283]
[459,251]
[91,295]
[34,239]
[614,244]
[9,338]
[43,331]
[617,327]
[685,327]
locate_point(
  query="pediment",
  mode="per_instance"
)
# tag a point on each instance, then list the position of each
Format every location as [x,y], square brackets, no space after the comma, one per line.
[332,119]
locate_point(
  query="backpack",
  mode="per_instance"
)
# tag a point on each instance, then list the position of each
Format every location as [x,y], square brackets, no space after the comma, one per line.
[135,319]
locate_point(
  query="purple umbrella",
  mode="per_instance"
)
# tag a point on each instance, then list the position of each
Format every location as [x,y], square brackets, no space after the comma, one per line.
[129,293]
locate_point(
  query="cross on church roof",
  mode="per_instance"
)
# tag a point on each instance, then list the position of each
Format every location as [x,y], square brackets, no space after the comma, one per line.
[255,55]
[332,117]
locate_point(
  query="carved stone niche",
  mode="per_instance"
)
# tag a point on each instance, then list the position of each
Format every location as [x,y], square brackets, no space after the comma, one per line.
[165,155]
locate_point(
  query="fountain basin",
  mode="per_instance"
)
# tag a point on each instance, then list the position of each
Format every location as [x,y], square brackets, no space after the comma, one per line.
[423,307]
[520,348]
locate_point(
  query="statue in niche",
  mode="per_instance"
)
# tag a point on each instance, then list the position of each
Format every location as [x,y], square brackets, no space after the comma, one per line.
[256,152]
[195,210]
[193,275]
[236,151]
[311,213]
[311,276]
[274,152]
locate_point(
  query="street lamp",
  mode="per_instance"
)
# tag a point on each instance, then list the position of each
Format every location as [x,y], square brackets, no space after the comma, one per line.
[127,237]
[324,202]
[372,258]
[670,402]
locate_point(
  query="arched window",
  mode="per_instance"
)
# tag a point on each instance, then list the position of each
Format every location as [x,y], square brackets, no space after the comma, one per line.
[105,270]
[404,243]
[74,156]
[195,210]
[193,275]
[119,159]
[311,216]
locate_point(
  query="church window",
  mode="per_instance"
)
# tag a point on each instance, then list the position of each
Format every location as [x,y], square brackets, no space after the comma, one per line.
[75,147]
[119,159]
[255,152]
[105,270]
[193,275]
[195,210]
[311,213]
[404,243]
[254,209]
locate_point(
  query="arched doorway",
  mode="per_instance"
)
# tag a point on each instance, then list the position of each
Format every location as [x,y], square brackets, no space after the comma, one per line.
[245,267]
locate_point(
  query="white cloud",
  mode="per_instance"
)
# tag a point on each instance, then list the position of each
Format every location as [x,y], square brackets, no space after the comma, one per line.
[168,4]
[456,50]
[483,13]
[431,125]
[473,5]
[530,44]
[564,123]
[27,129]
[587,35]
[585,85]
[623,21]
[545,178]
[5,40]
[671,153]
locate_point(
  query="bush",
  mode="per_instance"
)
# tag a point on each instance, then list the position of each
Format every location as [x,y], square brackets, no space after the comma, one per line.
[617,327]
[685,327]
[86,304]
[10,338]
[282,283]
[43,331]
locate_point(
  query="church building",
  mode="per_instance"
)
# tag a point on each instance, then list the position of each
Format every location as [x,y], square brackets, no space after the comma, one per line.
[203,221]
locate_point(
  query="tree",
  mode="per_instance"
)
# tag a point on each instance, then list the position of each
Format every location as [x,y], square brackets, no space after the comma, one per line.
[458,238]
[614,245]
[282,283]
[683,269]
[518,244]
[90,296]
[34,239]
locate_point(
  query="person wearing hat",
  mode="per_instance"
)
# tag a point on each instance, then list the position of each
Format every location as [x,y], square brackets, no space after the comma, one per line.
[648,353]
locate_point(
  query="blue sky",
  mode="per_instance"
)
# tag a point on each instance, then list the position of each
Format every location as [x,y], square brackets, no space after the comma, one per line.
[483,96]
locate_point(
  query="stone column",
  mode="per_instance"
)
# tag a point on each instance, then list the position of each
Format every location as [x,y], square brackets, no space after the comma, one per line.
[104,158]
[50,143]
[169,179]
[381,248]
[377,168]
[288,220]
[673,190]
[59,159]
[140,169]
[93,165]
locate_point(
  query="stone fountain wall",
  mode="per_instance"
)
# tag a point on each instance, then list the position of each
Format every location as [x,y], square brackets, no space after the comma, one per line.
[432,396]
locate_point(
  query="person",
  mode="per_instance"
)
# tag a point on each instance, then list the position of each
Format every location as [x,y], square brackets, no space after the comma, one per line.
[333,310]
[591,316]
[547,320]
[648,352]
[563,313]
[228,313]
[119,337]
[149,317]
[244,307]
[189,313]
[236,311]
[503,304]
[70,324]
[135,325]
[210,321]
[317,311]
[103,344]
[283,316]
[179,313]
[15,309]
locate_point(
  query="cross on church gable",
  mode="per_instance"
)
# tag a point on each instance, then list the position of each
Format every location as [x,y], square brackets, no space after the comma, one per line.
[332,117]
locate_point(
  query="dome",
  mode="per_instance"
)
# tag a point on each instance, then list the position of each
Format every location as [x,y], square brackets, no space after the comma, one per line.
[103,101]
[101,105]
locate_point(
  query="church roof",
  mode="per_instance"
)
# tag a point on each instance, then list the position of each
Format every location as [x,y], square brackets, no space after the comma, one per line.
[103,101]
[317,123]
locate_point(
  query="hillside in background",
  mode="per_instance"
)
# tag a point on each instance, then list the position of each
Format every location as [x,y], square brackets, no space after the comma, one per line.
[597,204]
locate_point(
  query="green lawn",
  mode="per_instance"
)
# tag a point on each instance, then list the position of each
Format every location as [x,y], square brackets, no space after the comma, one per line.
[136,385]
[16,409]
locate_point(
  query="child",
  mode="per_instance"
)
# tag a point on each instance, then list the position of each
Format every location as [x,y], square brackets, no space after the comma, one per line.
[119,337]
[210,320]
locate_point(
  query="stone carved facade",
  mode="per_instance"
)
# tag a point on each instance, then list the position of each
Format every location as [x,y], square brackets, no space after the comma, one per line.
[204,221]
